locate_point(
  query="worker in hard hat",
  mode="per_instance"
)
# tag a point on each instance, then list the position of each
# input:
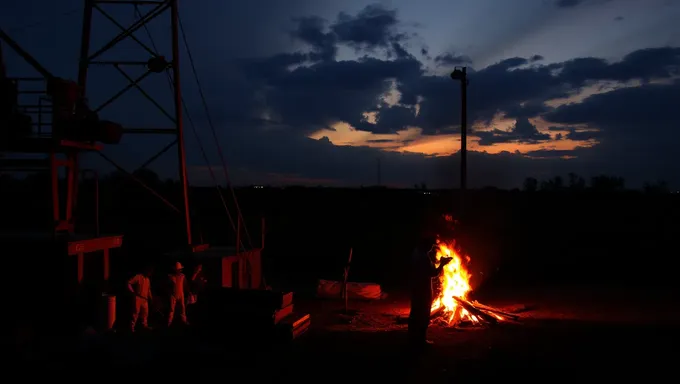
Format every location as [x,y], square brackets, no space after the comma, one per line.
[140,286]
[178,286]
[423,270]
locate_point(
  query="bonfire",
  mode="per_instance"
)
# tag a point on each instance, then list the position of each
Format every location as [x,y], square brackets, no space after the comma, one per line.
[451,305]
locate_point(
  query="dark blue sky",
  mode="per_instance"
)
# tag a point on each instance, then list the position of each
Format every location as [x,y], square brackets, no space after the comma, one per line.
[315,91]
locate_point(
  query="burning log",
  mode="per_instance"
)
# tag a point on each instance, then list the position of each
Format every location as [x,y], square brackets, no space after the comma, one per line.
[475,311]
[486,308]
[437,312]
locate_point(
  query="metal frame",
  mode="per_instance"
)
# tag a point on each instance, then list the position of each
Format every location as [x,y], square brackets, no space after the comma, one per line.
[89,57]
[63,219]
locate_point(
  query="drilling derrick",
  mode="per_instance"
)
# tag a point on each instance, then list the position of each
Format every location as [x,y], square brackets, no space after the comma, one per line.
[152,62]
[49,134]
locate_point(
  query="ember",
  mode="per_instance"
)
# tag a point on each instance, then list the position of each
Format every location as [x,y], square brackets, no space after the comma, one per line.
[451,305]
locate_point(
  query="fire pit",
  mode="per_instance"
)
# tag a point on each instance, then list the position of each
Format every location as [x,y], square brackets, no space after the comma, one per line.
[451,306]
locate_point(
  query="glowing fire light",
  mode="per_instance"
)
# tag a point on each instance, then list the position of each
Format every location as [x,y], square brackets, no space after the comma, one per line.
[455,281]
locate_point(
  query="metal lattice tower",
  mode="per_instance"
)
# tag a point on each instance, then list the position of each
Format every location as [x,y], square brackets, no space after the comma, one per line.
[155,64]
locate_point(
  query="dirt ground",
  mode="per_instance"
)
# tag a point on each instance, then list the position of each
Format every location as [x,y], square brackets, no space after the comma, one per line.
[585,333]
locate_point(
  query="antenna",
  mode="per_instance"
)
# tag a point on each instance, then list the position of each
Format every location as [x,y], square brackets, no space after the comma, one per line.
[155,63]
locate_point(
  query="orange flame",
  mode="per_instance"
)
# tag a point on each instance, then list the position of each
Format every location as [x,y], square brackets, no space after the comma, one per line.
[455,281]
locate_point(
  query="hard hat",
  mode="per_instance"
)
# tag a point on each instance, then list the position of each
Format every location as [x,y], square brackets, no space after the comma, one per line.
[178,266]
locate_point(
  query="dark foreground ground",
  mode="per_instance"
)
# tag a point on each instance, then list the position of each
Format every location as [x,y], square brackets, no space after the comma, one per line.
[582,333]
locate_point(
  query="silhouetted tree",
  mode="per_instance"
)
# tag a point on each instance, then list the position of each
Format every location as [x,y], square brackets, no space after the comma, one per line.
[530,184]
[552,185]
[576,182]
[658,188]
[605,183]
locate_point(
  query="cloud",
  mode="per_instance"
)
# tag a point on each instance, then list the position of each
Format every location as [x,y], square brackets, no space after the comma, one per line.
[530,109]
[522,132]
[637,125]
[374,26]
[299,93]
[452,59]
[277,157]
[351,88]
[568,3]
[576,3]
[266,106]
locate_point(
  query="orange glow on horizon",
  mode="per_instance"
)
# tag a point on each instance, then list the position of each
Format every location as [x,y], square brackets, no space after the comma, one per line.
[412,140]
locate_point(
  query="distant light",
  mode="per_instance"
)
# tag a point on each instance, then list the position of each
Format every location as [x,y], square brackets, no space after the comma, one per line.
[258,186]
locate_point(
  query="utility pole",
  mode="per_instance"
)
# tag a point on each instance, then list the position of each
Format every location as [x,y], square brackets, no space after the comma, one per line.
[460,74]
[379,173]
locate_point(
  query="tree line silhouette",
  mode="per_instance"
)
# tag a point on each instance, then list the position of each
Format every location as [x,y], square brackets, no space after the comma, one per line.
[601,183]
[573,182]
[547,228]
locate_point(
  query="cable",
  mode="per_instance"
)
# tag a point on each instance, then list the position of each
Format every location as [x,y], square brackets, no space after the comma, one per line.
[219,148]
[212,128]
[193,127]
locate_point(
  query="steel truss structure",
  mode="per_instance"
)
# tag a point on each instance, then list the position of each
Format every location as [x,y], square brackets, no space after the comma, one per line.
[155,63]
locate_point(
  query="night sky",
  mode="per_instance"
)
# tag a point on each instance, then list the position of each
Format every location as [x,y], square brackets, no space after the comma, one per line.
[314,92]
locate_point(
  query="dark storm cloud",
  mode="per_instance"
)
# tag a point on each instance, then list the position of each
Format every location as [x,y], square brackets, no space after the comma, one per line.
[638,125]
[351,88]
[644,64]
[326,92]
[549,153]
[653,105]
[527,110]
[390,119]
[452,59]
[311,31]
[568,3]
[522,132]
[374,26]
[493,89]
[575,3]
[583,135]
[371,28]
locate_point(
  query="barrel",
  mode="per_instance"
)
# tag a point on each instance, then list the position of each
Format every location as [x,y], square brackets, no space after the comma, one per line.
[108,311]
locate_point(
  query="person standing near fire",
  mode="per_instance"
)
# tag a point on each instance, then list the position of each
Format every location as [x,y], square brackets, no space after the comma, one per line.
[178,286]
[423,270]
[140,286]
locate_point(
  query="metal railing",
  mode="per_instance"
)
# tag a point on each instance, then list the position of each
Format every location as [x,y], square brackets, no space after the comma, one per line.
[34,101]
